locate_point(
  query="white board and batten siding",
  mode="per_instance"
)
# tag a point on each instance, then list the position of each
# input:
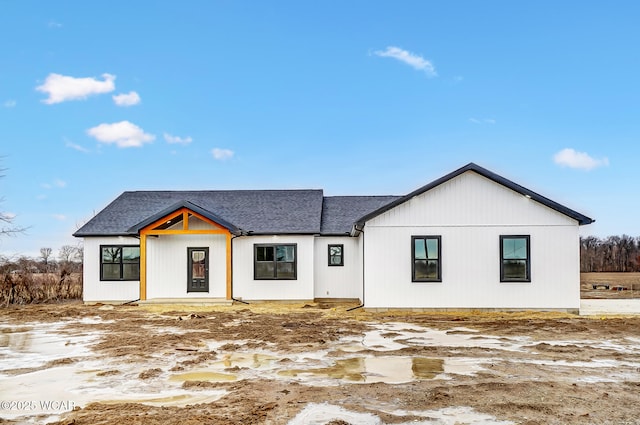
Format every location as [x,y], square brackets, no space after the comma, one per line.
[345,281]
[245,287]
[470,212]
[94,289]
[167,267]
[167,263]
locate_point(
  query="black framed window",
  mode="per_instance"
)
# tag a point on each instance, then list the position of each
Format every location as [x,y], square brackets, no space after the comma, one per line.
[515,258]
[426,263]
[336,255]
[119,262]
[274,261]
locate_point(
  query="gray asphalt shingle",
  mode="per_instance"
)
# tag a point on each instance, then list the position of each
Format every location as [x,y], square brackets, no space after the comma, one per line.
[275,211]
[339,213]
[257,211]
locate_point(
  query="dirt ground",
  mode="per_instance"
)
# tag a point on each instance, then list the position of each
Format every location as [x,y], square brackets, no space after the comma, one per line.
[523,368]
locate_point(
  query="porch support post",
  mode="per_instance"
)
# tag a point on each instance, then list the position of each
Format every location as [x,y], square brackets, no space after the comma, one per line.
[228,237]
[143,266]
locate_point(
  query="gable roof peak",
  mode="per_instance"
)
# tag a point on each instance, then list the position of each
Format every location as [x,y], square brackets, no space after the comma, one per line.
[135,229]
[582,219]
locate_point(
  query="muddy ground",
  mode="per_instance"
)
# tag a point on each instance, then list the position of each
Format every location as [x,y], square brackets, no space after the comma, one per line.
[313,359]
[605,285]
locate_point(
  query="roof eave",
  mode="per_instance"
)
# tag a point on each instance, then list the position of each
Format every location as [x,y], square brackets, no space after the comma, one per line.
[263,233]
[98,234]
[191,206]
[580,218]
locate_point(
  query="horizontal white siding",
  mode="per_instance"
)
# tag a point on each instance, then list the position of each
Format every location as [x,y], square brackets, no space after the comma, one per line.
[93,289]
[471,269]
[167,264]
[244,285]
[338,281]
[470,200]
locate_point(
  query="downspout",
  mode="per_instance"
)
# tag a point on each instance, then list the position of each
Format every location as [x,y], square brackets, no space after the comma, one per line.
[361,305]
[232,298]
[136,300]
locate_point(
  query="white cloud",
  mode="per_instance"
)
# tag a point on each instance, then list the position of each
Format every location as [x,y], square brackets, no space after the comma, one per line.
[570,158]
[126,99]
[123,134]
[482,121]
[9,215]
[61,87]
[70,144]
[57,183]
[411,59]
[221,154]
[9,103]
[177,139]
[59,217]
[54,24]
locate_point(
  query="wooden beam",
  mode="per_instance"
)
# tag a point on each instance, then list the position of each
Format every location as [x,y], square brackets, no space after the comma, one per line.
[188,232]
[184,213]
[166,218]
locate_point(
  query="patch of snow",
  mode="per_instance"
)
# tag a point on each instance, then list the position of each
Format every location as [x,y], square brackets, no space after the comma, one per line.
[321,413]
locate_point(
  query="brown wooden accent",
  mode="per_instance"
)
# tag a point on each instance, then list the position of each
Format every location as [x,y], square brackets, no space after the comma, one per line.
[152,229]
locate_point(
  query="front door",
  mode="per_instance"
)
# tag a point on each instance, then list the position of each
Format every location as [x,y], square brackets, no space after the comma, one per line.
[198,270]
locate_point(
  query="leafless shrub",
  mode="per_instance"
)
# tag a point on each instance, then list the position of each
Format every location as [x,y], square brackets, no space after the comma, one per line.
[31,288]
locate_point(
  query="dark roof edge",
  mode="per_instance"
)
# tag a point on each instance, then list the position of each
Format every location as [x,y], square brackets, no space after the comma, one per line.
[135,229]
[88,234]
[580,218]
[250,233]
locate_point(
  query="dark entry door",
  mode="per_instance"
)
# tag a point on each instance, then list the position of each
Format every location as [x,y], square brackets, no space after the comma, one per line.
[198,270]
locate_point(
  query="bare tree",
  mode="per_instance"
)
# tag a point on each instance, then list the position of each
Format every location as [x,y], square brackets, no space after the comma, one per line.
[66,253]
[45,254]
[610,254]
[79,256]
[6,220]
[70,258]
[7,229]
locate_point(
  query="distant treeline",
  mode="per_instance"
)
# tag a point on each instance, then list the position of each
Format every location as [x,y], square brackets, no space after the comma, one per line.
[611,254]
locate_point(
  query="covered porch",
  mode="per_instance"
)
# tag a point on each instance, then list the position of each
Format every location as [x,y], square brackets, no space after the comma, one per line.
[185,256]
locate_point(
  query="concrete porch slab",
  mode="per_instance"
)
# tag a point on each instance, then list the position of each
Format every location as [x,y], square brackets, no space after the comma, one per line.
[186,301]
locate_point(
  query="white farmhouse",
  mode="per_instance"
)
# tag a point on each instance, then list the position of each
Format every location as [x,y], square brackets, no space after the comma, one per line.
[469,240]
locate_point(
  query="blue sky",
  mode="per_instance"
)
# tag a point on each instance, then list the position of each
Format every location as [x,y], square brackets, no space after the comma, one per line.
[357,97]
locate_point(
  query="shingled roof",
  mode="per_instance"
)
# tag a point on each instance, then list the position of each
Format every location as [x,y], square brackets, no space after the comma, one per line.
[275,211]
[249,211]
[339,213]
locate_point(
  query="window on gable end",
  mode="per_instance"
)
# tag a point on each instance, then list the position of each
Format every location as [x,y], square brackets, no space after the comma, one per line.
[426,263]
[515,258]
